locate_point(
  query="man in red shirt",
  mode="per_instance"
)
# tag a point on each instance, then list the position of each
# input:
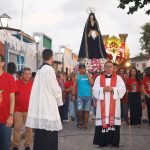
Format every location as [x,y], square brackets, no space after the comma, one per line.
[7,103]
[24,86]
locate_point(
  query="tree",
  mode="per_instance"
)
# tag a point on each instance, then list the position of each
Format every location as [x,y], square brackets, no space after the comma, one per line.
[137,4]
[145,39]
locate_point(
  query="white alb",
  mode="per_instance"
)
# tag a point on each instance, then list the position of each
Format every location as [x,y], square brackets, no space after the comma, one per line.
[46,96]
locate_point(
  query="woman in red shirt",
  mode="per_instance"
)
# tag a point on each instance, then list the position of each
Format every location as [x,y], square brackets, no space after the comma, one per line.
[134,98]
[67,88]
[146,90]
[60,78]
[124,100]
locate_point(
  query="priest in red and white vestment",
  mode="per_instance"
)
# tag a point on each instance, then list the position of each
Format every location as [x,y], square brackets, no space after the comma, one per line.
[108,89]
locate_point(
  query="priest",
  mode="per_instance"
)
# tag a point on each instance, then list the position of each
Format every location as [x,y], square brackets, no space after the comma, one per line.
[108,89]
[46,97]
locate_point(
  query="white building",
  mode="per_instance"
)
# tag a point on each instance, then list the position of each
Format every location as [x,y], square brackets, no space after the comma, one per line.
[19,48]
[65,60]
[141,61]
[22,49]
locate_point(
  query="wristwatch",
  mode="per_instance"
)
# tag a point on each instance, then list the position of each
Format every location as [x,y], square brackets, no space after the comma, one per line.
[11,114]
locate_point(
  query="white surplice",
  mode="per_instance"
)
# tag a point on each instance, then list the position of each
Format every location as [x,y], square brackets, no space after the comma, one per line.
[98,93]
[46,96]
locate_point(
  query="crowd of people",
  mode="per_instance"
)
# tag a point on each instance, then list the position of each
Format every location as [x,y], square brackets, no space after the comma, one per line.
[44,100]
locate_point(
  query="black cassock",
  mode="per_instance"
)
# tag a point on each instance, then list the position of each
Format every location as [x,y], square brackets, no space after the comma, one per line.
[92,47]
[111,138]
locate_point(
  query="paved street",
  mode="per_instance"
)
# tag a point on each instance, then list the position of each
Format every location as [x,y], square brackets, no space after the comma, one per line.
[71,138]
[75,139]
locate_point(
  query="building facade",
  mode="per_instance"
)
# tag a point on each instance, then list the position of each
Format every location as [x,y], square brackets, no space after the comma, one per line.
[140,62]
[44,43]
[18,48]
[65,61]
[21,48]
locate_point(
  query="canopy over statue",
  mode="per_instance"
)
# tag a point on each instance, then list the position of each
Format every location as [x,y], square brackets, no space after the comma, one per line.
[92,45]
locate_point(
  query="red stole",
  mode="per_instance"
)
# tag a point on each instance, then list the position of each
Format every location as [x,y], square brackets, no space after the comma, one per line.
[112,103]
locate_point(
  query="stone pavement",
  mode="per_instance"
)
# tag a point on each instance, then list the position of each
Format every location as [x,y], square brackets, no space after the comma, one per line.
[72,138]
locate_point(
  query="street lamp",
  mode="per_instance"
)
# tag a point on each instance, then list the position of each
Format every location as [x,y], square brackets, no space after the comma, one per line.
[61,59]
[4,19]
[37,37]
[127,64]
[61,51]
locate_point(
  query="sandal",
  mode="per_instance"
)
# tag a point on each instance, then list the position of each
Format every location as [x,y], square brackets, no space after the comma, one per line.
[138,126]
[79,125]
[132,126]
[85,127]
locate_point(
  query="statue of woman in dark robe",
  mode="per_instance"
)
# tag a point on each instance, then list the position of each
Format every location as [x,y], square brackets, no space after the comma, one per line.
[92,45]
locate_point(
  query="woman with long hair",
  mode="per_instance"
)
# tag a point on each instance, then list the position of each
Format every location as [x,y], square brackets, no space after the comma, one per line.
[60,79]
[134,98]
[11,69]
[146,90]
[124,100]
[67,90]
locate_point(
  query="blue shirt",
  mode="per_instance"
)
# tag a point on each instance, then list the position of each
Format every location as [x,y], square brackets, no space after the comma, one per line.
[83,85]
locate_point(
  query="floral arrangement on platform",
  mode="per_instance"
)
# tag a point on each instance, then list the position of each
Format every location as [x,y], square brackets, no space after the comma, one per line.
[92,65]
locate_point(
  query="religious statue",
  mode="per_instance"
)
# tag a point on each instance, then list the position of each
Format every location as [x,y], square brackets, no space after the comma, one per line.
[92,45]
